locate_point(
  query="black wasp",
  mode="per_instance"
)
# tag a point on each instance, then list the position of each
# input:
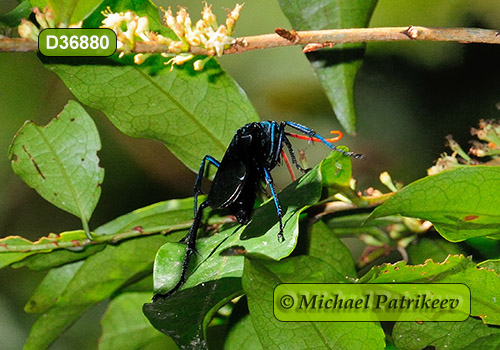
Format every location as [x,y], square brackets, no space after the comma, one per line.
[254,151]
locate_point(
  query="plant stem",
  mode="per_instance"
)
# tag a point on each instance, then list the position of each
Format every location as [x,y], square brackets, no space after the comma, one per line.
[86,228]
[52,241]
[325,38]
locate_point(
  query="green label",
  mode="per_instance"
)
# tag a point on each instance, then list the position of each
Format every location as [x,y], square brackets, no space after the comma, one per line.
[77,42]
[372,302]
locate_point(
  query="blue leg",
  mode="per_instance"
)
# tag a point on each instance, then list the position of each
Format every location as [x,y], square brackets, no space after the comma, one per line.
[199,178]
[311,133]
[279,211]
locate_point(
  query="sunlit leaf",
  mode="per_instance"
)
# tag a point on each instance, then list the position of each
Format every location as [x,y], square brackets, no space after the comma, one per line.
[259,281]
[16,248]
[166,216]
[193,113]
[445,335]
[482,282]
[461,203]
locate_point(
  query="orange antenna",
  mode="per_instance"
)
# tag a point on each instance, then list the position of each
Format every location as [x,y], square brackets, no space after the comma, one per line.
[332,139]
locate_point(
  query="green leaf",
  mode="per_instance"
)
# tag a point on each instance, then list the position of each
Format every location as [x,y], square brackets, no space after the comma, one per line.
[185,315]
[482,282]
[326,246]
[487,247]
[445,335]
[208,263]
[60,161]
[461,203]
[163,216]
[141,286]
[493,264]
[13,17]
[56,258]
[97,279]
[39,3]
[242,336]
[435,249]
[125,327]
[181,108]
[337,67]
[260,235]
[216,261]
[51,288]
[488,342]
[337,171]
[259,281]
[73,11]
[140,8]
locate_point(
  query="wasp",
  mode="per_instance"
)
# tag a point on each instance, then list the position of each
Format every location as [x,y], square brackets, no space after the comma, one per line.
[254,151]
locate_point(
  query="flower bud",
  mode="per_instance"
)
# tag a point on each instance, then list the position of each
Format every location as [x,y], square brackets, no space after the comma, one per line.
[49,17]
[208,16]
[40,18]
[139,58]
[386,179]
[28,30]
[199,65]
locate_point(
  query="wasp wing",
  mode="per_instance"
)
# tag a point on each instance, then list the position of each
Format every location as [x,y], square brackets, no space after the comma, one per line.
[232,174]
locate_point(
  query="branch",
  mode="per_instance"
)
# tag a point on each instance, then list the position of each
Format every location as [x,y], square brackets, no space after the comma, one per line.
[78,239]
[316,38]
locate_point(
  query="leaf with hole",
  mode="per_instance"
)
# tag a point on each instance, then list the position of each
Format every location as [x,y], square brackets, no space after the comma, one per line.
[60,161]
[482,282]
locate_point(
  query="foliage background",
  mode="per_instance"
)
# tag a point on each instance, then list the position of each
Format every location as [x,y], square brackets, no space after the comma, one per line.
[409,95]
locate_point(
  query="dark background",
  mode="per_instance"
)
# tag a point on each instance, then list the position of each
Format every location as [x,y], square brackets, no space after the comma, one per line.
[409,96]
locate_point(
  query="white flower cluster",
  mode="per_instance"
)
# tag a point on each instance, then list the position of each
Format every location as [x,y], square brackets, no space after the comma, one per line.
[206,33]
[45,19]
[129,28]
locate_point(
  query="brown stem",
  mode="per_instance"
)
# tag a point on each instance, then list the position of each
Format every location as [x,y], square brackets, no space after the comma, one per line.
[327,37]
